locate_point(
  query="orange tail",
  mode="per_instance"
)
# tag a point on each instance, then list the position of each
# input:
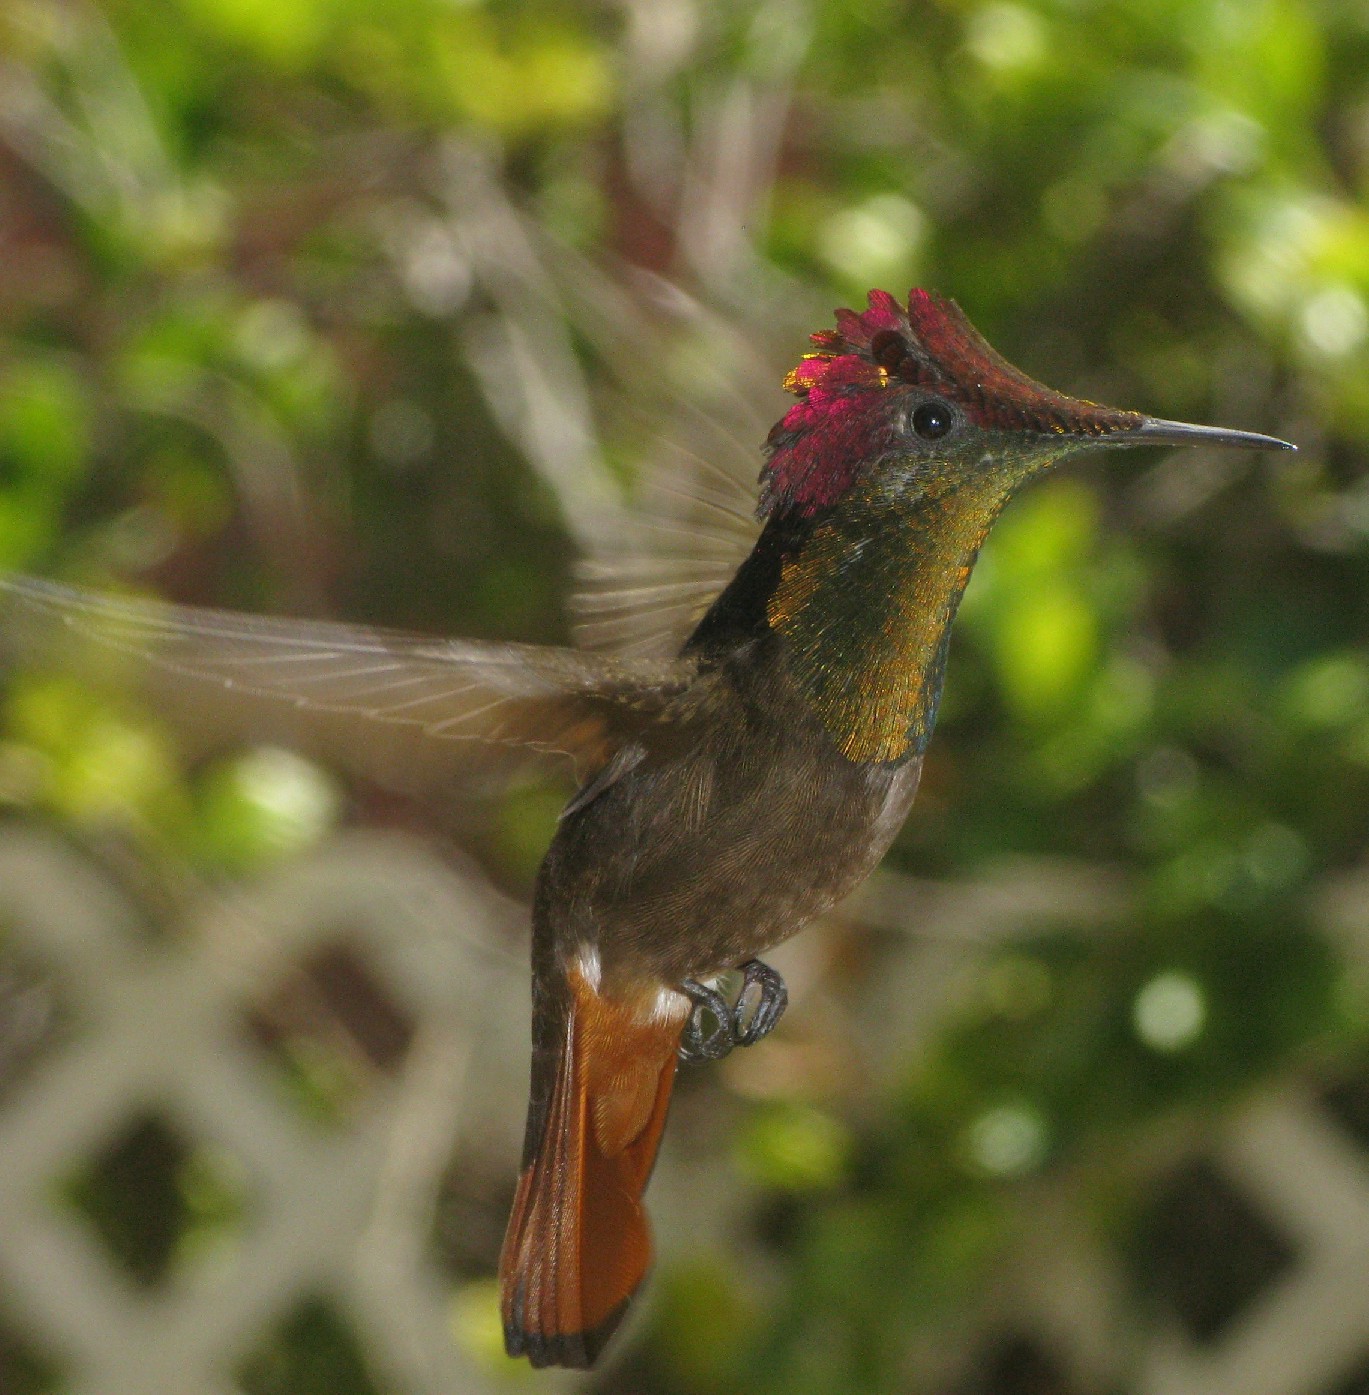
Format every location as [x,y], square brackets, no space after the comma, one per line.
[578,1245]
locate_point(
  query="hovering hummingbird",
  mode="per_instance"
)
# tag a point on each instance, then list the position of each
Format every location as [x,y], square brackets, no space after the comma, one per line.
[729,794]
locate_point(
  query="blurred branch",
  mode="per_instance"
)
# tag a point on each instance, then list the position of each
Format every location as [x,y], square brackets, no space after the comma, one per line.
[108,158]
[735,152]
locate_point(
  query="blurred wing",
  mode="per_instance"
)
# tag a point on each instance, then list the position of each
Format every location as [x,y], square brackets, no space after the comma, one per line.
[400,708]
[648,580]
[695,397]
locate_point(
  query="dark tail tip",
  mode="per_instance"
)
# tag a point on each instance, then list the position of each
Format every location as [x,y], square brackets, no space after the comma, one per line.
[576,1350]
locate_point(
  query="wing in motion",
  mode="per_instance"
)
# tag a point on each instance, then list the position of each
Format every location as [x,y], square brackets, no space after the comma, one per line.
[647,581]
[409,711]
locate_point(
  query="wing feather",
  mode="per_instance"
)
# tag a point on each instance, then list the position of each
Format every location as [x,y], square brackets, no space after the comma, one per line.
[690,524]
[450,705]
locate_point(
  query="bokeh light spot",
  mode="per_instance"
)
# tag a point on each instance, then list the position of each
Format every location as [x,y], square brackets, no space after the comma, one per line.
[1335,321]
[266,804]
[1008,1140]
[272,334]
[1006,37]
[873,241]
[1169,1012]
[796,1148]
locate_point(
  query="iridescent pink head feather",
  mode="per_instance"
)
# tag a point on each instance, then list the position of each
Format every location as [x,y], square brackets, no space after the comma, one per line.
[845,420]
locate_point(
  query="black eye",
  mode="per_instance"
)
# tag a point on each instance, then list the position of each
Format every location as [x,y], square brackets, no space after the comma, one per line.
[933,419]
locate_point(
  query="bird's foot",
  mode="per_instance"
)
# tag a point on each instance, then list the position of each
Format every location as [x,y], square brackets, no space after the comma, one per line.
[707,1034]
[714,1026]
[763,988]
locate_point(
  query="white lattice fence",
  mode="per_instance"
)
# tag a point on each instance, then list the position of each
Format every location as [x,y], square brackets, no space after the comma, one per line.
[1290,1173]
[164,1024]
[158,1030]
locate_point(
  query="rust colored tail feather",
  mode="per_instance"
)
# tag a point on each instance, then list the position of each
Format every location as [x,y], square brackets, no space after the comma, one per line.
[578,1243]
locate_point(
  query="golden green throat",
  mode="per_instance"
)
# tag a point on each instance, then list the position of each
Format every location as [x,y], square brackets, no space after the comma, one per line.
[866,609]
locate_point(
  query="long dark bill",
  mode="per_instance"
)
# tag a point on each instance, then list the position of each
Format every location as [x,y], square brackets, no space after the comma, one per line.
[1155,431]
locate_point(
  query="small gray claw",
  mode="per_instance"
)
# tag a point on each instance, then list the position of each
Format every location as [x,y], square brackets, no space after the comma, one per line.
[714,1027]
[763,986]
[699,1041]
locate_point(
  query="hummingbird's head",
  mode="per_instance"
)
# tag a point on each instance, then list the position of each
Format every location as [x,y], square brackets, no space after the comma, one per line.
[920,392]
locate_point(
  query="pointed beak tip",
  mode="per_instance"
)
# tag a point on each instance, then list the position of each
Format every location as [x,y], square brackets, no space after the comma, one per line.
[1155,430]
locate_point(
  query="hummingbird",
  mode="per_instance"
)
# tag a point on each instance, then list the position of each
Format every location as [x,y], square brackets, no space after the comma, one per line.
[728,794]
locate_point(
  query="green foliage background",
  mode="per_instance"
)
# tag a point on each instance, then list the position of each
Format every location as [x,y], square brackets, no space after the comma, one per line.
[242,364]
